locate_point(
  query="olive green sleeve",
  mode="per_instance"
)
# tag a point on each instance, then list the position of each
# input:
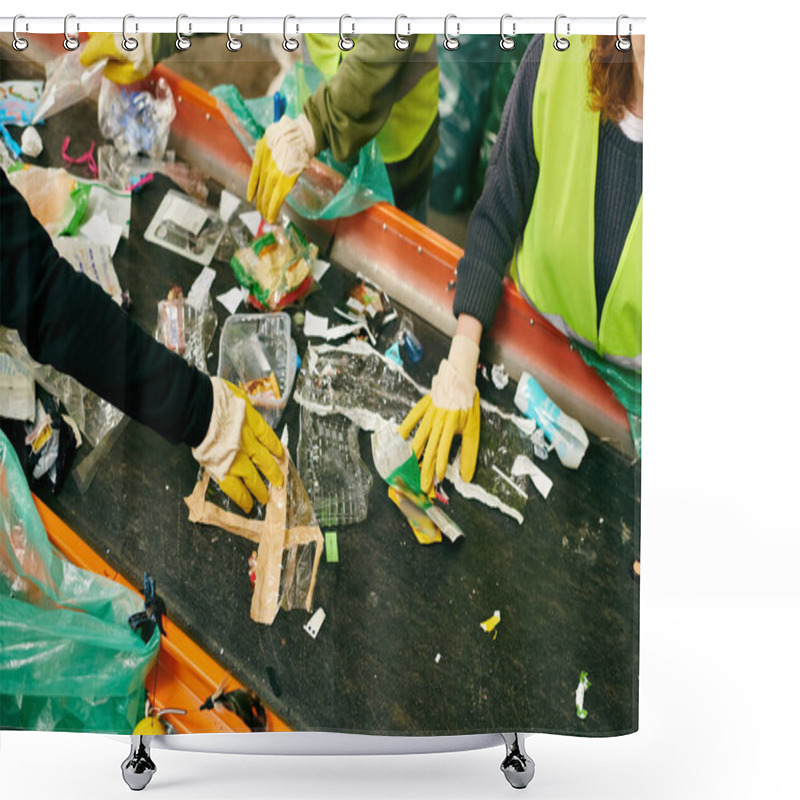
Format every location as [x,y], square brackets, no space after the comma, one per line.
[351,108]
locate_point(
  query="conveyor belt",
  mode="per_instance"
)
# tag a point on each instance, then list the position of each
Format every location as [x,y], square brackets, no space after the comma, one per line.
[562,579]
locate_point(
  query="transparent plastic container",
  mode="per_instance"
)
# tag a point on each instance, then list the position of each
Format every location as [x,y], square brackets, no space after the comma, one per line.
[253,347]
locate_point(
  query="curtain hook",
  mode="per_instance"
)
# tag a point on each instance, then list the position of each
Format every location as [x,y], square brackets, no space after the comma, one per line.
[400,42]
[507,42]
[289,44]
[451,42]
[70,42]
[19,43]
[233,44]
[128,42]
[623,44]
[345,42]
[561,43]
[181,42]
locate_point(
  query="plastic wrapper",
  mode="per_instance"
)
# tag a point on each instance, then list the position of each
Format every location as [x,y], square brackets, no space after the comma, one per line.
[276,267]
[94,416]
[19,100]
[56,198]
[328,459]
[366,302]
[369,389]
[17,391]
[129,173]
[257,353]
[50,444]
[364,180]
[83,667]
[67,83]
[289,540]
[186,329]
[185,228]
[136,121]
[357,381]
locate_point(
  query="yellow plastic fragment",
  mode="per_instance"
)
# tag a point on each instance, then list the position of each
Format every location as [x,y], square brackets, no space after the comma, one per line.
[490,624]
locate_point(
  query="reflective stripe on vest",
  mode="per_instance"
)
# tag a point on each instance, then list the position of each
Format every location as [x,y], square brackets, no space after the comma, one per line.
[554,264]
[417,101]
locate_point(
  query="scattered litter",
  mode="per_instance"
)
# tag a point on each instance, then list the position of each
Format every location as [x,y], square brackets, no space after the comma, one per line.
[583,685]
[331,547]
[541,448]
[201,288]
[31,142]
[253,220]
[233,298]
[484,372]
[393,353]
[490,625]
[185,227]
[315,325]
[318,268]
[228,203]
[365,303]
[441,495]
[137,122]
[499,376]
[421,524]
[186,329]
[100,229]
[86,160]
[315,623]
[438,658]
[93,260]
[509,481]
[524,466]
[564,432]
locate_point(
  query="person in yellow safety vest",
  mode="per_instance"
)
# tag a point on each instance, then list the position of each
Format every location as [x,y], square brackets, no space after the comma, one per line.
[371,91]
[562,203]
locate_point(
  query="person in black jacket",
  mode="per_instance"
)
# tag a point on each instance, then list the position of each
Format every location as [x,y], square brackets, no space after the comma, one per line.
[69,322]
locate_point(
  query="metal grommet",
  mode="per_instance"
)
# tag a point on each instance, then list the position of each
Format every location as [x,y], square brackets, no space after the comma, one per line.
[289,44]
[345,42]
[19,43]
[233,44]
[128,42]
[181,42]
[400,42]
[507,42]
[623,44]
[561,44]
[70,42]
[451,42]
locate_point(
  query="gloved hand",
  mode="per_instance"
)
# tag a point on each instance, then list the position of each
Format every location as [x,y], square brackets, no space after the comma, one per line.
[453,406]
[123,66]
[238,441]
[282,154]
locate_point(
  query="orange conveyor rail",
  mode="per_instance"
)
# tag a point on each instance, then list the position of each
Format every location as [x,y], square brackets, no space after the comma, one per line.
[187,675]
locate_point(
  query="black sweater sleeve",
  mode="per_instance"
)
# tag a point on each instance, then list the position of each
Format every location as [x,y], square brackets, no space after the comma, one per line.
[66,320]
[502,211]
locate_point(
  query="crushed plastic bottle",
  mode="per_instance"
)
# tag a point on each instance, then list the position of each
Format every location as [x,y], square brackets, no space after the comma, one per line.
[562,431]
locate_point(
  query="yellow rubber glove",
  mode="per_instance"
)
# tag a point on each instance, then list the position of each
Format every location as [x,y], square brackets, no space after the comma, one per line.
[123,66]
[451,408]
[281,155]
[238,440]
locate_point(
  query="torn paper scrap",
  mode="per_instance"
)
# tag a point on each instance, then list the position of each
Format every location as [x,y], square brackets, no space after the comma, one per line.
[233,298]
[228,203]
[319,268]
[583,685]
[31,142]
[252,219]
[315,325]
[101,230]
[490,624]
[524,466]
[315,623]
[438,658]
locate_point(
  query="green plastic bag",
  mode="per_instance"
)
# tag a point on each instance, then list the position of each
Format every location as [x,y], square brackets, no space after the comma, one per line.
[626,385]
[69,660]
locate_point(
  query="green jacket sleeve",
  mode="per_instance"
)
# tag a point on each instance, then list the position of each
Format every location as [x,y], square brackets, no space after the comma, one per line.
[350,109]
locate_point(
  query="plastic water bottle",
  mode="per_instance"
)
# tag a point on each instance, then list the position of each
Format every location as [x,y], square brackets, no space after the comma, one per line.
[562,431]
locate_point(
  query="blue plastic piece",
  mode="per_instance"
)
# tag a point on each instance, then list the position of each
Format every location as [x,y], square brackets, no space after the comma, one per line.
[394,354]
[412,346]
[279,106]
